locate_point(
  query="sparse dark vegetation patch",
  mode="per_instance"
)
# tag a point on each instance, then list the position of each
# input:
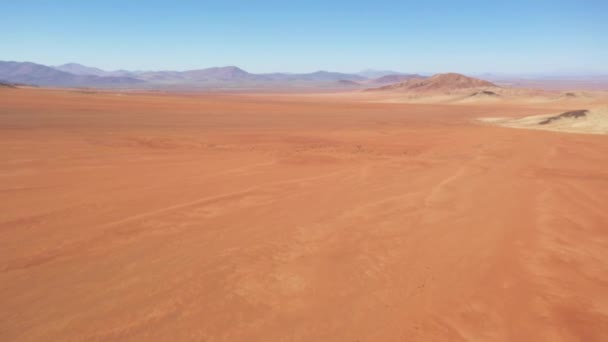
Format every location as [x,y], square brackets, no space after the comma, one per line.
[484,93]
[571,114]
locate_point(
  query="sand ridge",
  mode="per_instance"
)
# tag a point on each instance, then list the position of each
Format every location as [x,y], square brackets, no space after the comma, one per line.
[594,121]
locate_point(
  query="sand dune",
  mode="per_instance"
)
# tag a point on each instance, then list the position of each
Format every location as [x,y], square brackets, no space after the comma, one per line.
[593,121]
[260,217]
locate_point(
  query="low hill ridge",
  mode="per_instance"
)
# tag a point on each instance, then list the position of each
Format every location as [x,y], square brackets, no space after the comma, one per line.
[439,82]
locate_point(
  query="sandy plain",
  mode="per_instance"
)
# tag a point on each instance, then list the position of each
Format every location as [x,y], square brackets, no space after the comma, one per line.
[243,217]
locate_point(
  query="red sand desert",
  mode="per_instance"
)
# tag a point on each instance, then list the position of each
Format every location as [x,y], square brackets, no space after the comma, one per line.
[244,217]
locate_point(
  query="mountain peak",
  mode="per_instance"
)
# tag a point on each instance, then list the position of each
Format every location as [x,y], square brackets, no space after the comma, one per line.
[71,64]
[79,69]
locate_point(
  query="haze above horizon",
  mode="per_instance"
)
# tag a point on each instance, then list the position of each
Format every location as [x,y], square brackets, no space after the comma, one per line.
[407,36]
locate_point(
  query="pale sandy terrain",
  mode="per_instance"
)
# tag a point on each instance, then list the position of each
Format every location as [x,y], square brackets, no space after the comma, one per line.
[593,121]
[296,218]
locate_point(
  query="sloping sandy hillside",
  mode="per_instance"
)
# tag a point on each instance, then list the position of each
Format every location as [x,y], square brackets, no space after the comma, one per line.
[593,121]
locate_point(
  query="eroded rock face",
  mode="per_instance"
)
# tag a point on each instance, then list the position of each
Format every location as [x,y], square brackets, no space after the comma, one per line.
[571,114]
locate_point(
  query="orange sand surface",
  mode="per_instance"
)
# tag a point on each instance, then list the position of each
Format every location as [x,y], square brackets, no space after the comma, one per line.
[244,217]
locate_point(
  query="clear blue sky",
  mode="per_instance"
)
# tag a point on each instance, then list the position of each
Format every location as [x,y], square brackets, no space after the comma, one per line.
[261,36]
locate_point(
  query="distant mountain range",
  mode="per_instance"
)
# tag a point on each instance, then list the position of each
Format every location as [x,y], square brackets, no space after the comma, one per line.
[390,79]
[37,74]
[371,73]
[77,75]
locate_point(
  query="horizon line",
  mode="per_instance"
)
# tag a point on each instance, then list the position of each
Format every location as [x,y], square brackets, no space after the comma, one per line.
[363,70]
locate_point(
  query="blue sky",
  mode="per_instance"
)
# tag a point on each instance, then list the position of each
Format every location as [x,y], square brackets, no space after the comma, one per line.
[299,36]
